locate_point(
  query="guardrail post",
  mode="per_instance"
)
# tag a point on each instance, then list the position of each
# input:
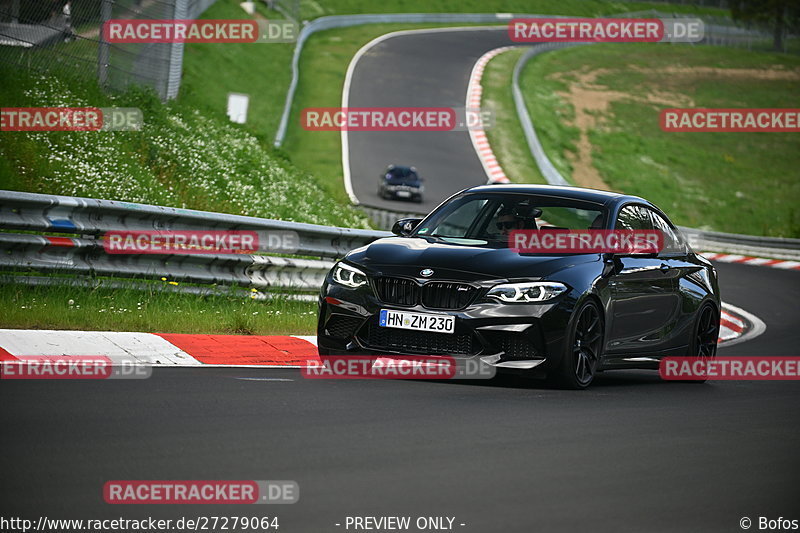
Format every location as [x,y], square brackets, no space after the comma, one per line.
[102,49]
[180,12]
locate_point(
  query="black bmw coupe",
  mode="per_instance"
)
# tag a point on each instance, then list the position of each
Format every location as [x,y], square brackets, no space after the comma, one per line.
[401,183]
[450,284]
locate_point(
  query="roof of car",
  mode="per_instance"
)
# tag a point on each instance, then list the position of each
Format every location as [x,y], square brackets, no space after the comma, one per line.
[579,193]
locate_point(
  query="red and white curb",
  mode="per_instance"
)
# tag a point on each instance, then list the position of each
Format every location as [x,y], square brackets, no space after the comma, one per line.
[495,172]
[348,78]
[261,351]
[756,261]
[737,325]
[479,141]
[163,349]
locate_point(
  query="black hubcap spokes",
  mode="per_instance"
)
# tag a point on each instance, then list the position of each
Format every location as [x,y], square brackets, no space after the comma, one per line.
[707,333]
[588,337]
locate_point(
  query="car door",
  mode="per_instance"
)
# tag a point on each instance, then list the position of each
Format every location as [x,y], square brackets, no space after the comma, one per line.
[644,302]
[675,265]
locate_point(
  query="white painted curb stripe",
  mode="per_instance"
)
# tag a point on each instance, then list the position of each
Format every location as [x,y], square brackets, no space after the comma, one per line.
[153,350]
[348,80]
[755,326]
[755,261]
[491,167]
[495,172]
[145,348]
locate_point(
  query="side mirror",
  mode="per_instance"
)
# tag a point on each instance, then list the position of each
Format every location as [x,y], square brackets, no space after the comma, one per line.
[405,226]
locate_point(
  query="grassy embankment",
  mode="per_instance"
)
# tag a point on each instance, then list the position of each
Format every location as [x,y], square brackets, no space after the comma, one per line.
[596,111]
[263,70]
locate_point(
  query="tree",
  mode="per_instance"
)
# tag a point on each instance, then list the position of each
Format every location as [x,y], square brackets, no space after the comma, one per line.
[780,15]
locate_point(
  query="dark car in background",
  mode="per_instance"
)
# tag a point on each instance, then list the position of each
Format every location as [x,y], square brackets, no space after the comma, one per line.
[565,316]
[401,183]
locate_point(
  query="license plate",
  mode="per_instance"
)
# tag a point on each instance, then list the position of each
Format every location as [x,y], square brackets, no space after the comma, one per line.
[403,194]
[417,321]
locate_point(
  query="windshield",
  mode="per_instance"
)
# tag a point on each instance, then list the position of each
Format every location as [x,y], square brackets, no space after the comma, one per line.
[487,219]
[401,174]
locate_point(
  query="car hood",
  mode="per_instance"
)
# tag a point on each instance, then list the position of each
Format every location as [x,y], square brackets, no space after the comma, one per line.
[408,255]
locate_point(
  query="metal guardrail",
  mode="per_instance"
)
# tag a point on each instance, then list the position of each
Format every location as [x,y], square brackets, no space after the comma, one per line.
[546,166]
[87,216]
[730,243]
[734,243]
[82,260]
[385,218]
[91,219]
[342,21]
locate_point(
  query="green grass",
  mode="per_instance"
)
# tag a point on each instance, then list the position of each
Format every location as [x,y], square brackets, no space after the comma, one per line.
[323,66]
[190,156]
[181,158]
[590,8]
[506,131]
[151,311]
[72,58]
[735,182]
[262,71]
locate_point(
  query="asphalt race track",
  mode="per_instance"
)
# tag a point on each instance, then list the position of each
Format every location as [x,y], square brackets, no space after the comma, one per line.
[418,70]
[632,453]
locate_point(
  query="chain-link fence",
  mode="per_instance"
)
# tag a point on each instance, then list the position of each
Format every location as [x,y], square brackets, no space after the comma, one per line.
[724,31]
[721,4]
[291,9]
[66,36]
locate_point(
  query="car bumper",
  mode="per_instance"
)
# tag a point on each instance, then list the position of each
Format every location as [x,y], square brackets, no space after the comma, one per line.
[510,336]
[403,194]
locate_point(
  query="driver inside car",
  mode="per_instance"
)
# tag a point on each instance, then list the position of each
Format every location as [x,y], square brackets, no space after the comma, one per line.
[516,218]
[508,221]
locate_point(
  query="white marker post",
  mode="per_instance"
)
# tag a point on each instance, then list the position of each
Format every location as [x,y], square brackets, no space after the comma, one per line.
[237,107]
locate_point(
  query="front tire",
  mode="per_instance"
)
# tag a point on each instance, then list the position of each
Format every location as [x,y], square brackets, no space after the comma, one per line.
[583,349]
[703,344]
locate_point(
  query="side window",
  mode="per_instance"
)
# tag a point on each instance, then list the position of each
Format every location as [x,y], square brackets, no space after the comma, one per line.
[672,241]
[634,217]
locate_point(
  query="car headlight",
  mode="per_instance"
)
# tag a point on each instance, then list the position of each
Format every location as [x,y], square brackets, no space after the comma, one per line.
[349,276]
[533,291]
